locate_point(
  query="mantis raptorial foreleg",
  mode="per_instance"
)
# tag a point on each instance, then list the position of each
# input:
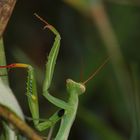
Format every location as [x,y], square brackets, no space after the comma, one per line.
[31,85]
[68,109]
[50,65]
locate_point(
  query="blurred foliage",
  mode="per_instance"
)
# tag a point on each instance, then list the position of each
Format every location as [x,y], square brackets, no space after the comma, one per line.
[91,30]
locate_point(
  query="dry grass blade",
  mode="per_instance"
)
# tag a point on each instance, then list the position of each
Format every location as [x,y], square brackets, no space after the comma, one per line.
[18,123]
[6,8]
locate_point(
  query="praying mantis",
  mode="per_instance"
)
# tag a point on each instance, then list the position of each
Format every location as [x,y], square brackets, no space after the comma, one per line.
[68,110]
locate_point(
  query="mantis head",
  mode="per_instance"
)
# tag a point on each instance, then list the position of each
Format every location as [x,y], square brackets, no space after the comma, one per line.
[78,88]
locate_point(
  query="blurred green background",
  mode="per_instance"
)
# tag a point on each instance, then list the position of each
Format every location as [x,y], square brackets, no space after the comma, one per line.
[91,30]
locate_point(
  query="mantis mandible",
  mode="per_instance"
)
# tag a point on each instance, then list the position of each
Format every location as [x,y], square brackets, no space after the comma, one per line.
[68,109]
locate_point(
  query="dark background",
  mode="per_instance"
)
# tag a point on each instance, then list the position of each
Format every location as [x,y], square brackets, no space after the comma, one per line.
[108,110]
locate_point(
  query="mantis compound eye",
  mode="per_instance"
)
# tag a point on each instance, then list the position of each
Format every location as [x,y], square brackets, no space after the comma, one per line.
[82,87]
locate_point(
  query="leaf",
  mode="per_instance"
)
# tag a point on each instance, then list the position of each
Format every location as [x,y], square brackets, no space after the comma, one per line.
[8,100]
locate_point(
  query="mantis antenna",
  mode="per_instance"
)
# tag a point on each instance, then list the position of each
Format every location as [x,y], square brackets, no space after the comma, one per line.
[98,69]
[41,19]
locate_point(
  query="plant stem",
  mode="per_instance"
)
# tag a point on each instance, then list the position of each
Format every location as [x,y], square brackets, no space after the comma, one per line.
[3,72]
[18,123]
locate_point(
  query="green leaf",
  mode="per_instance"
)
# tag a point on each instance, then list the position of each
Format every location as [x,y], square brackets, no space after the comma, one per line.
[8,100]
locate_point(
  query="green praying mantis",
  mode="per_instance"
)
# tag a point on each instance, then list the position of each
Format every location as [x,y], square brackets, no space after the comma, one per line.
[67,112]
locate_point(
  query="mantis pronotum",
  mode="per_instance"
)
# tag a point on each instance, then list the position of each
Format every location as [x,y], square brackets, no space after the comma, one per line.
[68,109]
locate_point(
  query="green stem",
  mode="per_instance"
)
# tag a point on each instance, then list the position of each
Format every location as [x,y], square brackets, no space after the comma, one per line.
[3,72]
